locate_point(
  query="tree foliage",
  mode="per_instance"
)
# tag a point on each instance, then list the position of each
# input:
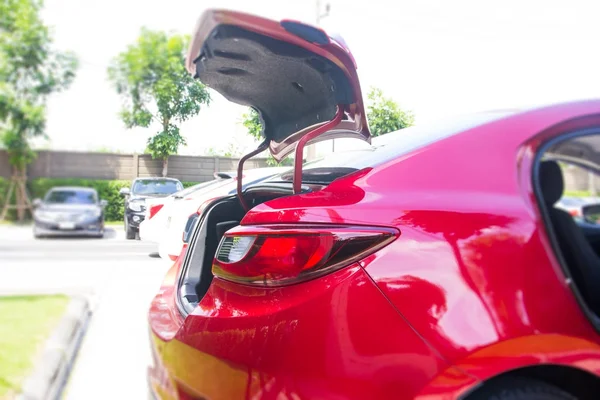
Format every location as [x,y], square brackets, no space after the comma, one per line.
[30,70]
[385,115]
[251,121]
[151,78]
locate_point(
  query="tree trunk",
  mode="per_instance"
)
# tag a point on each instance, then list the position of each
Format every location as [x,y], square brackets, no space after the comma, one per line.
[165,167]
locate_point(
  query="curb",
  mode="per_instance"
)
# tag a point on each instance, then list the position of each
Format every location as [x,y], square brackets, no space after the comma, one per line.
[50,375]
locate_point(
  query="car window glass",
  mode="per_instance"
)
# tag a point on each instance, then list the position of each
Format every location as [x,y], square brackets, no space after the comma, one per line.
[154,186]
[71,197]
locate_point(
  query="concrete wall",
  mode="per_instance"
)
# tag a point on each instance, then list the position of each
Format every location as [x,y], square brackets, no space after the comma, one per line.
[66,164]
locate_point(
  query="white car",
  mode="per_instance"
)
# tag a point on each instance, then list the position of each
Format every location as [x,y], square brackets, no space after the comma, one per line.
[574,205]
[173,215]
[154,224]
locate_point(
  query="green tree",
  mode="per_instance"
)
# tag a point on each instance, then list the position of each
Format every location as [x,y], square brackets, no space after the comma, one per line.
[251,121]
[151,77]
[30,70]
[385,115]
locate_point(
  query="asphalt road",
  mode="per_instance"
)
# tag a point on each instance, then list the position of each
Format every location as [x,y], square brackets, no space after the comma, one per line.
[123,276]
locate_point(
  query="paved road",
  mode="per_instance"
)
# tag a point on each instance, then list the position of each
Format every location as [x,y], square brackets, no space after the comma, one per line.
[123,276]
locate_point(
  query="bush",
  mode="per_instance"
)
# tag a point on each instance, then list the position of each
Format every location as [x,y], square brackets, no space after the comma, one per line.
[107,190]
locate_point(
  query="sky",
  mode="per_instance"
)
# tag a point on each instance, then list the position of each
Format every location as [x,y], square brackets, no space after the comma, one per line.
[435,57]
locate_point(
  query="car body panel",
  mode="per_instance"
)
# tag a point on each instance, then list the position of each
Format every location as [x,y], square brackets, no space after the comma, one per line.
[452,221]
[470,289]
[232,61]
[314,340]
[467,300]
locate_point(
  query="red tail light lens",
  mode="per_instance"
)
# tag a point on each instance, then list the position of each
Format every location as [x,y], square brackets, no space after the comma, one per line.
[154,209]
[575,213]
[275,256]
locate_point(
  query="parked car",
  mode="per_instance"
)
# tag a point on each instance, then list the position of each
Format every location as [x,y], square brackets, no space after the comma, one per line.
[435,266]
[69,210]
[574,205]
[142,189]
[177,213]
[152,227]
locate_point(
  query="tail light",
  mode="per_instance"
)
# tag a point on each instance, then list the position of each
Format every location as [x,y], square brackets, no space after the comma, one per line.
[154,209]
[275,255]
[575,213]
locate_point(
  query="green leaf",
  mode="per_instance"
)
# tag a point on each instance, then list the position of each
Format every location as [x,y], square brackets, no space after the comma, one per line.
[30,70]
[385,115]
[151,78]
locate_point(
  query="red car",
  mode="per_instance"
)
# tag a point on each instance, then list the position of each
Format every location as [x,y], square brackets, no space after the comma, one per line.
[433,265]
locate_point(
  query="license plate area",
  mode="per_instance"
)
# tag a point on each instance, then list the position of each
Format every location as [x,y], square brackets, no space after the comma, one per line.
[66,226]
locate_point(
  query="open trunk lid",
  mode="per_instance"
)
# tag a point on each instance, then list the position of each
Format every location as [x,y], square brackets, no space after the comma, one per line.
[298,78]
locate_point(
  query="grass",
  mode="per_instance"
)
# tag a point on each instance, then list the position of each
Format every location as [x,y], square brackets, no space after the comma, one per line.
[25,324]
[578,193]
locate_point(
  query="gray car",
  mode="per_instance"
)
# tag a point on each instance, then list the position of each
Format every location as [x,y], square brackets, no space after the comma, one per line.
[69,211]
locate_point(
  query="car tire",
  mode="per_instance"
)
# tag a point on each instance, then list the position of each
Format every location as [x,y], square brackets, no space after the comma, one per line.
[130,233]
[520,389]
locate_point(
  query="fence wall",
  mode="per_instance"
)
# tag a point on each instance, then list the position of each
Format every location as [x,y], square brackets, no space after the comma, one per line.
[67,164]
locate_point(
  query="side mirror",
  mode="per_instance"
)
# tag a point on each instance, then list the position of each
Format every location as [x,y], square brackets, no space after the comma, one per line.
[37,202]
[591,213]
[103,203]
[124,192]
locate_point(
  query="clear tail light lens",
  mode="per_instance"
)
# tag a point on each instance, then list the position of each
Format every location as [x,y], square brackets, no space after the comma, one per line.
[275,255]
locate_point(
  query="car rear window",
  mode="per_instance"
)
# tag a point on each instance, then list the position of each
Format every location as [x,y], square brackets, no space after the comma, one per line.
[387,147]
[71,197]
[395,144]
[156,186]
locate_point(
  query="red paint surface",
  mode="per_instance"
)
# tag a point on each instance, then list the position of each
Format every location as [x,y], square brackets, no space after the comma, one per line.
[470,289]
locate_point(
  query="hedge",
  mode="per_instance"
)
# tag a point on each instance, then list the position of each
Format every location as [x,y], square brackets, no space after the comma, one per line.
[107,190]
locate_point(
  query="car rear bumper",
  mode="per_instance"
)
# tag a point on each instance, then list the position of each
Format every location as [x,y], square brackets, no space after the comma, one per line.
[84,228]
[333,337]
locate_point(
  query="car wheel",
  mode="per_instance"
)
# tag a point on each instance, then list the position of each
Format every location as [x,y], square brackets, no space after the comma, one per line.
[520,389]
[129,232]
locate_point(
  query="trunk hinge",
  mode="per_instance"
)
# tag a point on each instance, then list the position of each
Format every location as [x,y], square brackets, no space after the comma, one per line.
[297,180]
[240,171]
[302,142]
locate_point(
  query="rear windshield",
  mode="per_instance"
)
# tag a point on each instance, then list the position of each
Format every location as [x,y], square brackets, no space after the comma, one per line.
[156,186]
[71,197]
[387,147]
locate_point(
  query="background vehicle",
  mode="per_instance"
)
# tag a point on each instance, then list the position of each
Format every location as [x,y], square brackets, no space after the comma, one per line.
[174,216]
[574,205]
[142,189]
[69,211]
[434,266]
[151,229]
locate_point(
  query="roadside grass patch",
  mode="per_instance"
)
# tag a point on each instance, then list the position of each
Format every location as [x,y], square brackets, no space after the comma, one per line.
[25,323]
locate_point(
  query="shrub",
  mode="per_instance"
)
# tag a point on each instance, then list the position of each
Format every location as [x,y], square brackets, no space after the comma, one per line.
[107,190]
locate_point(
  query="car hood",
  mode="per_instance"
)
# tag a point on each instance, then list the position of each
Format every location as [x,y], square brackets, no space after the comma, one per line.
[70,208]
[148,196]
[294,75]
